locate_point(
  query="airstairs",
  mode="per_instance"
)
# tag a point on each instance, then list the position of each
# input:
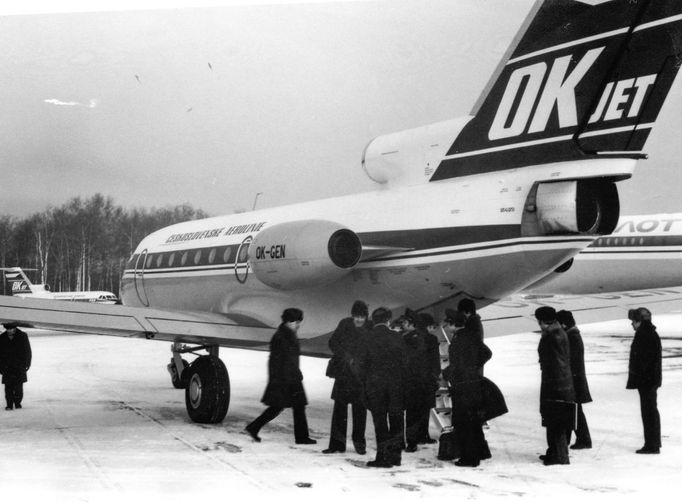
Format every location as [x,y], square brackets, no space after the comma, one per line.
[441,415]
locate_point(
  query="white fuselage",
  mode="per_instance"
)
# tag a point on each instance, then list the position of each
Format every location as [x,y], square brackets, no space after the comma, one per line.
[38,291]
[643,252]
[456,237]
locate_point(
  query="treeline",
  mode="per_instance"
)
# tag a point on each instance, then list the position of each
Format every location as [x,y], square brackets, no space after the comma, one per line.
[84,244]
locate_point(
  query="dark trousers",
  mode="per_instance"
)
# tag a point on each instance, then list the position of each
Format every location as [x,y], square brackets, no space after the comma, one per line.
[337,439]
[14,392]
[300,421]
[582,433]
[388,428]
[650,417]
[417,425]
[472,440]
[557,444]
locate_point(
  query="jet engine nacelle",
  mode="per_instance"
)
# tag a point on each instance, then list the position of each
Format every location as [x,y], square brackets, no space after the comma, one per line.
[585,206]
[301,254]
[410,157]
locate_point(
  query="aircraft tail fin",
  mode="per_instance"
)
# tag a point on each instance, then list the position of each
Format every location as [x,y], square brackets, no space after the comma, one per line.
[17,280]
[586,78]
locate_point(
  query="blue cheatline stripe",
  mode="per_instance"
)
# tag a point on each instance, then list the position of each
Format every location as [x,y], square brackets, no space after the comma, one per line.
[440,252]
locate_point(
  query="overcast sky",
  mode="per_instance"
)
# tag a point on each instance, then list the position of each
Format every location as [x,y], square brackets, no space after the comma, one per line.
[212,105]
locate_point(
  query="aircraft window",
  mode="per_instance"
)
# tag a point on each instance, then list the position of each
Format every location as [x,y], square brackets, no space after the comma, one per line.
[211,256]
[183,260]
[171,259]
[632,241]
[197,257]
[243,253]
[641,241]
[159,260]
[615,241]
[149,261]
[227,254]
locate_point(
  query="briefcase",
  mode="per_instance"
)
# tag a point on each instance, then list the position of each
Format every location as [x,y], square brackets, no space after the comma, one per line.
[494,404]
[449,446]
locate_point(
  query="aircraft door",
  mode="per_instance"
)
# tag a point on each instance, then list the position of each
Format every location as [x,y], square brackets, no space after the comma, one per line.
[241,260]
[139,278]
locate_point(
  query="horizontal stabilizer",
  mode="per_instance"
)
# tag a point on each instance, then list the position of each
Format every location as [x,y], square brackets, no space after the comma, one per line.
[516,313]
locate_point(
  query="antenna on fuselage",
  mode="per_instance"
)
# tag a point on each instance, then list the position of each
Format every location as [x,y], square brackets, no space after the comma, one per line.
[255,200]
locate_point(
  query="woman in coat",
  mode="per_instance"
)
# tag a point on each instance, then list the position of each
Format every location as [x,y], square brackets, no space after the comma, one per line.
[285,380]
[467,354]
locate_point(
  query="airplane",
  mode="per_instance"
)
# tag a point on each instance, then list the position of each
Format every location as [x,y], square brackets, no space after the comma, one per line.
[480,206]
[642,252]
[22,287]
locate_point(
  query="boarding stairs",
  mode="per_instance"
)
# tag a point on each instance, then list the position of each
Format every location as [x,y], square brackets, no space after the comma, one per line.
[441,415]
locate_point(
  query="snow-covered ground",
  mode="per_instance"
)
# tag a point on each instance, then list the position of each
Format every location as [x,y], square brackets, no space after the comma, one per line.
[102,422]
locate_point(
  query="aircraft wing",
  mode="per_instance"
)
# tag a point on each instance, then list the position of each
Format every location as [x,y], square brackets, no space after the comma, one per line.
[203,328]
[515,314]
[506,317]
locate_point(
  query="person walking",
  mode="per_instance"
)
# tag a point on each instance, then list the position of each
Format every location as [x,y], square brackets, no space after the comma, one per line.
[285,380]
[381,369]
[557,394]
[345,344]
[645,375]
[583,440]
[15,361]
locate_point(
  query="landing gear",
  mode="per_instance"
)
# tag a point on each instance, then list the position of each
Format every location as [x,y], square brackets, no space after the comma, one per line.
[206,383]
[207,395]
[176,376]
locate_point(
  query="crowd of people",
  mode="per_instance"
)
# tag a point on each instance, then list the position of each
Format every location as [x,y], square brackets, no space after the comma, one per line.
[392,368]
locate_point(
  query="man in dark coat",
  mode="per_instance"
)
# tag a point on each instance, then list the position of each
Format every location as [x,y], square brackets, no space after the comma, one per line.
[557,395]
[583,439]
[645,374]
[421,377]
[381,369]
[467,355]
[345,345]
[285,380]
[15,361]
[473,321]
[432,335]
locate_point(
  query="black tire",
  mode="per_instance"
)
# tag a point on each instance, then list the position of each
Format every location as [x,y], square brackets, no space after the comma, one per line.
[177,380]
[207,394]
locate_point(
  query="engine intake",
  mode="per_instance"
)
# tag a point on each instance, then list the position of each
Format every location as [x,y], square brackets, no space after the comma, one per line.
[585,206]
[301,254]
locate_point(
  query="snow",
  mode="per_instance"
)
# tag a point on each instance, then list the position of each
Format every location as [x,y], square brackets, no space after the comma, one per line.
[101,421]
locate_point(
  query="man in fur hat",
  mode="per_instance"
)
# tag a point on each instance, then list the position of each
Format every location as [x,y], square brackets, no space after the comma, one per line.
[556,390]
[15,360]
[345,344]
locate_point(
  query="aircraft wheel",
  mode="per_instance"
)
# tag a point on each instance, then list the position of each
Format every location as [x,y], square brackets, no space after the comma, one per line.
[207,394]
[176,379]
